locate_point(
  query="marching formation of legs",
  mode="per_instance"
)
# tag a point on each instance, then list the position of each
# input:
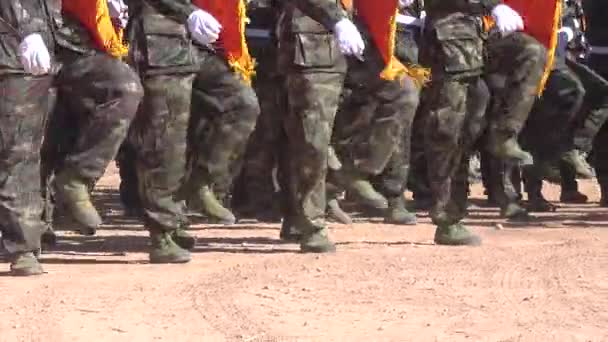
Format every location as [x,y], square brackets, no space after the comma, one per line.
[286,110]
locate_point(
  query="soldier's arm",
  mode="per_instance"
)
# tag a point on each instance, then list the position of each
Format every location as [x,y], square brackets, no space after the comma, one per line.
[24,16]
[178,10]
[328,13]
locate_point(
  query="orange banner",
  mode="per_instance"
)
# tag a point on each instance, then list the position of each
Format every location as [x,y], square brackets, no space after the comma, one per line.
[232,15]
[542,20]
[94,15]
[380,18]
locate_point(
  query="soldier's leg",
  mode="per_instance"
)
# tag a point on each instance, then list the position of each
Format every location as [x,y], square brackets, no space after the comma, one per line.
[391,107]
[159,135]
[454,124]
[313,101]
[392,183]
[396,170]
[520,60]
[105,93]
[23,110]
[232,109]
[533,183]
[590,118]
[354,118]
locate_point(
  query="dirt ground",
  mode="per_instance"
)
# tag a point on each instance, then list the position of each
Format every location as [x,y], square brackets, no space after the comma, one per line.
[544,282]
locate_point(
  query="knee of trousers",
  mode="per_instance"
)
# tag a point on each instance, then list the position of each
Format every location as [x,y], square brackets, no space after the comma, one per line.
[126,89]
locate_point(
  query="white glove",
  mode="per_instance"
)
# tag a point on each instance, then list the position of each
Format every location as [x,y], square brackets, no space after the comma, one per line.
[568,31]
[203,27]
[119,11]
[507,20]
[348,37]
[405,3]
[34,55]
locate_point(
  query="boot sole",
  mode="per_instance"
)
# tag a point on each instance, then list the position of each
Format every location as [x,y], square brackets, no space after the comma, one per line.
[26,273]
[317,249]
[412,220]
[472,241]
[167,260]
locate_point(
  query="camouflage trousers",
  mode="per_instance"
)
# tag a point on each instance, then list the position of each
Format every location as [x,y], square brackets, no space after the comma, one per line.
[455,122]
[223,116]
[313,99]
[371,125]
[159,137]
[23,111]
[97,98]
[514,67]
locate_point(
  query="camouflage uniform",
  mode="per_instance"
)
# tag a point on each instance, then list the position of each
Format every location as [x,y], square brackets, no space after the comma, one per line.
[224,113]
[97,98]
[24,103]
[407,50]
[314,75]
[371,124]
[512,69]
[458,96]
[162,51]
[581,97]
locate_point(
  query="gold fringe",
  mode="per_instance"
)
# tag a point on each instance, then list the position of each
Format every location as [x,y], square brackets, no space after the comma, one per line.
[245,64]
[395,69]
[551,51]
[112,38]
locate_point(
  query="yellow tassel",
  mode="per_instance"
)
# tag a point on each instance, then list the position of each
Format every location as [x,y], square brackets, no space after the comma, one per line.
[112,38]
[395,69]
[552,49]
[244,65]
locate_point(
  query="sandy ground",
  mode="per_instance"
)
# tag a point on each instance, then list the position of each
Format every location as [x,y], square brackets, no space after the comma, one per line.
[543,282]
